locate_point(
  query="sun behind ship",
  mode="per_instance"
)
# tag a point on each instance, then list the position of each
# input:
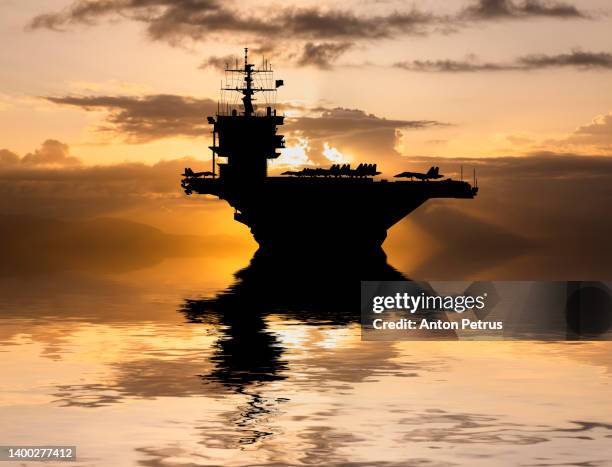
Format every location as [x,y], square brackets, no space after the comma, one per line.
[338,210]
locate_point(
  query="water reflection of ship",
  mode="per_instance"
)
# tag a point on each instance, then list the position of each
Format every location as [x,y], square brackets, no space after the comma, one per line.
[313,292]
[248,354]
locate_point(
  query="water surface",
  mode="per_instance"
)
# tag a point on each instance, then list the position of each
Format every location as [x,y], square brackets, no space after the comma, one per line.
[182,364]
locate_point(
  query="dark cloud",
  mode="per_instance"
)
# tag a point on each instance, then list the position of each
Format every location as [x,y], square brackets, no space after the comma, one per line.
[339,120]
[600,127]
[596,133]
[324,54]
[310,35]
[508,9]
[173,20]
[575,59]
[218,63]
[142,119]
[551,8]
[29,186]
[450,66]
[364,136]
[313,23]
[51,153]
[8,157]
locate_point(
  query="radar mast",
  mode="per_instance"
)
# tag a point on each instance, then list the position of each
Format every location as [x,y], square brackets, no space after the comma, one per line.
[247,81]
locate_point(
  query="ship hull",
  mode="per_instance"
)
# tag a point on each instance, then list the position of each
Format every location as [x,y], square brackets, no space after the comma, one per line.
[326,215]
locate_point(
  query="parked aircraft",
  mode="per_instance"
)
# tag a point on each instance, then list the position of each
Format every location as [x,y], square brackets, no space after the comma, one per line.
[432,173]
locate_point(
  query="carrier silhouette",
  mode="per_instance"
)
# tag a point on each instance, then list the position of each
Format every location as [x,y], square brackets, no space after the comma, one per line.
[332,210]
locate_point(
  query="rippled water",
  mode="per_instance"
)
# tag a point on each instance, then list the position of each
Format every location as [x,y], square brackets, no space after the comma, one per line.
[169,367]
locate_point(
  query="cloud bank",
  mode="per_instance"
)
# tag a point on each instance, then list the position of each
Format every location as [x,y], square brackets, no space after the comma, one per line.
[146,118]
[577,59]
[152,117]
[175,20]
[508,9]
[310,35]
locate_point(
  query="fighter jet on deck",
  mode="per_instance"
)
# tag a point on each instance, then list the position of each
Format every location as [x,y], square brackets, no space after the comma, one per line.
[191,173]
[337,170]
[432,173]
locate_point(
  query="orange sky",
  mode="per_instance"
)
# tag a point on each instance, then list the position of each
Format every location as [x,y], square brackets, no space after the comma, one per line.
[513,110]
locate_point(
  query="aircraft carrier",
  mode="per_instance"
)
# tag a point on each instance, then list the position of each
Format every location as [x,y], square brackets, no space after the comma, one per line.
[336,210]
